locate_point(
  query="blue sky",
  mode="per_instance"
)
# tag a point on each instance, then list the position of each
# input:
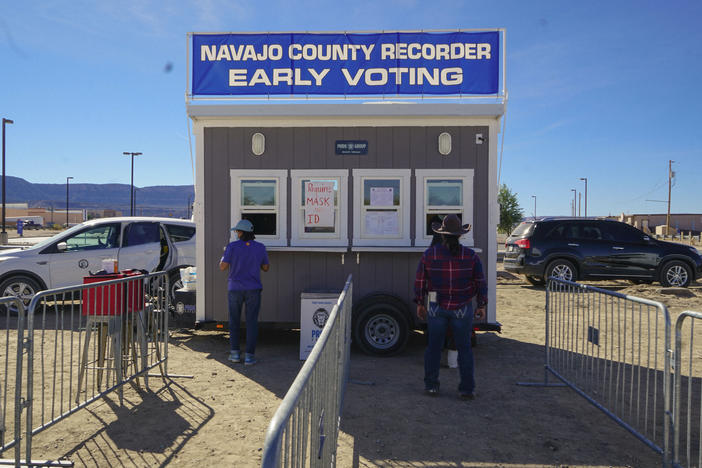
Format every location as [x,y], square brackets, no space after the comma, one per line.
[607,90]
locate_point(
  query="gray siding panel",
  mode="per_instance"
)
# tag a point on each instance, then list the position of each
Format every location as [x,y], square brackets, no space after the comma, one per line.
[314,148]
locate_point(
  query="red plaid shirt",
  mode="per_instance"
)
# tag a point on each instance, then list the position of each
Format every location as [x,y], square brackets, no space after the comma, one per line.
[456,280]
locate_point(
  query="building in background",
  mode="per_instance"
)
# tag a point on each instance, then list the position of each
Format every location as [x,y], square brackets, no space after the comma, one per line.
[655,223]
[44,216]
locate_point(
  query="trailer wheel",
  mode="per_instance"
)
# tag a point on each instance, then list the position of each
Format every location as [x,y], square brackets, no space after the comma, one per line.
[380,325]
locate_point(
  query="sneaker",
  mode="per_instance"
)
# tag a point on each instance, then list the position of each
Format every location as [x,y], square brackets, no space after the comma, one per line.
[234,356]
[433,391]
[466,396]
[250,360]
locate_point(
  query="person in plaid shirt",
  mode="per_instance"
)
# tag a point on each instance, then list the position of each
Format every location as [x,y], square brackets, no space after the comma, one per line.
[455,274]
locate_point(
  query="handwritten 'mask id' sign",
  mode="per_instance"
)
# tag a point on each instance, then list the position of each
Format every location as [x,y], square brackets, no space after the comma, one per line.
[319,204]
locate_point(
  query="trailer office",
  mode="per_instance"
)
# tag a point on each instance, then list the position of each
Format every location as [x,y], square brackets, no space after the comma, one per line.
[341,188]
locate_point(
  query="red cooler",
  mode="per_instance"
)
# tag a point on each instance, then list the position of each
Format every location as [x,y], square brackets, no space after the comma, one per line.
[111,299]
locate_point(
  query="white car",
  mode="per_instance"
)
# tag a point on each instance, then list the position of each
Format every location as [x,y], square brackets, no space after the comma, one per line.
[142,243]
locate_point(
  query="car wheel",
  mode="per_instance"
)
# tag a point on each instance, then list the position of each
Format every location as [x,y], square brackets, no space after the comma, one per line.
[21,287]
[561,269]
[676,274]
[380,326]
[535,280]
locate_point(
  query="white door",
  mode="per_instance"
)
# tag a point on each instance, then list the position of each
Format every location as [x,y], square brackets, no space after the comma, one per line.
[141,246]
[83,254]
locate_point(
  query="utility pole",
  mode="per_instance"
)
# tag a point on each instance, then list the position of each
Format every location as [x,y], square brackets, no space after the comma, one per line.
[580,202]
[131,188]
[3,234]
[573,203]
[671,174]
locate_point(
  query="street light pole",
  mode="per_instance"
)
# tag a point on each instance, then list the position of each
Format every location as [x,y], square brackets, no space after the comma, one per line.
[67,179]
[131,190]
[585,179]
[575,198]
[534,197]
[3,234]
[670,177]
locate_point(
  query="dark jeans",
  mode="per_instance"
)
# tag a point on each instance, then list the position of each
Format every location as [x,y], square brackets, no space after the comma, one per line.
[461,323]
[252,299]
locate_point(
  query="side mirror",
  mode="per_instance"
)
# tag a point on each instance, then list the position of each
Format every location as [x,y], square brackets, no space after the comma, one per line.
[62,246]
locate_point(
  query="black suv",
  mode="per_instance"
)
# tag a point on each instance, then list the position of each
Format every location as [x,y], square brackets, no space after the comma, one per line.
[31,225]
[584,248]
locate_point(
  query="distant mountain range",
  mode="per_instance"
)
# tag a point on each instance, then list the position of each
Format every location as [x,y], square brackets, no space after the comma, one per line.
[160,200]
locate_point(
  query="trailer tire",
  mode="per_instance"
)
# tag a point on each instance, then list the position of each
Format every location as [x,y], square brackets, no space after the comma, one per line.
[380,325]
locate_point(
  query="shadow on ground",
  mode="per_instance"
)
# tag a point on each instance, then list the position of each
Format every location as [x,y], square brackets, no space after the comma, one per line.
[150,429]
[388,421]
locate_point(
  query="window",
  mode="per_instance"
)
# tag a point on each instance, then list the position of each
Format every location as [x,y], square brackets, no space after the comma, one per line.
[441,192]
[100,237]
[179,233]
[620,232]
[381,207]
[588,232]
[563,231]
[319,207]
[523,230]
[260,197]
[141,233]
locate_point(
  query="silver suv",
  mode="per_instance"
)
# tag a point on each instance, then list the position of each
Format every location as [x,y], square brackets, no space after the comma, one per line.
[142,243]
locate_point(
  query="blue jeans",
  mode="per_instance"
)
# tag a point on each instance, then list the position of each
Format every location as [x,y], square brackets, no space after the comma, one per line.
[461,323]
[252,299]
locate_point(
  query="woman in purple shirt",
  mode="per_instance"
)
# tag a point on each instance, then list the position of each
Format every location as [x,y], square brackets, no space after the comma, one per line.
[244,258]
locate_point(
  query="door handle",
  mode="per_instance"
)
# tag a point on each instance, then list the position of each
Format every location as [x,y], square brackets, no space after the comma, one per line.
[618,248]
[43,262]
[574,245]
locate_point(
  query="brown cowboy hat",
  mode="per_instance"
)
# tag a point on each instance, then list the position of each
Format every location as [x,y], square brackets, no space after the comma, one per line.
[451,225]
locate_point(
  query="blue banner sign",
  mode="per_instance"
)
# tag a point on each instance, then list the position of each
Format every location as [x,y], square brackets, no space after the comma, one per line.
[346,64]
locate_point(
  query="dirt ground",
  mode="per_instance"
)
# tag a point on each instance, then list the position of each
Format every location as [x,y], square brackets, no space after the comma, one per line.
[220,415]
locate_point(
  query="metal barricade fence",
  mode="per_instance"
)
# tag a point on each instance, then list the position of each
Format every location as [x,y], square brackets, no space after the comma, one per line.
[11,332]
[82,342]
[687,405]
[615,351]
[304,430]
